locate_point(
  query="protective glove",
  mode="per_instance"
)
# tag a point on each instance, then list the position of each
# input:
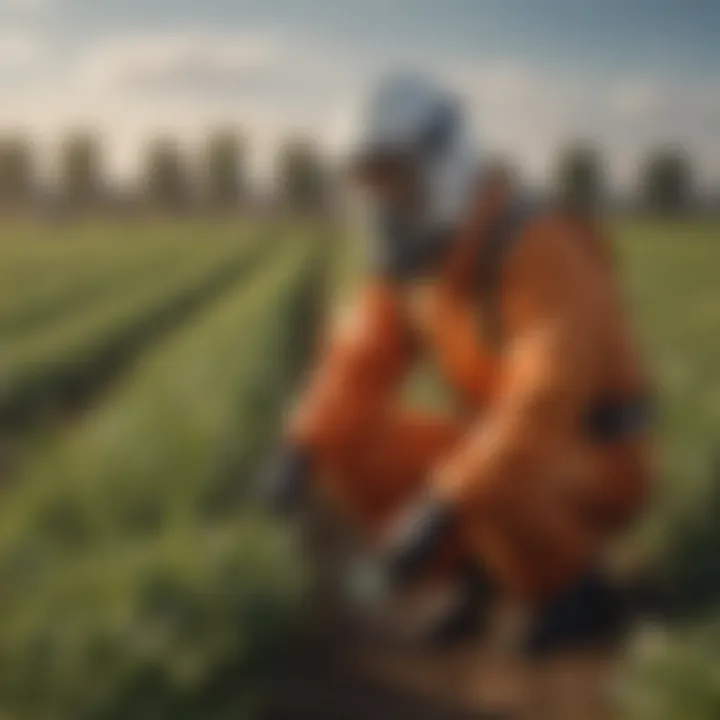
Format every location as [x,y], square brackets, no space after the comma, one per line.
[284,486]
[416,538]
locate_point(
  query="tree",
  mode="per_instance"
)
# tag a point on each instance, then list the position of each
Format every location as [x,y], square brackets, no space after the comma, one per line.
[16,172]
[81,171]
[224,177]
[167,186]
[667,181]
[301,176]
[581,178]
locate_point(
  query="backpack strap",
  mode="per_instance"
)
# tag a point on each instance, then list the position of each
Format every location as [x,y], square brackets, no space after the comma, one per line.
[490,261]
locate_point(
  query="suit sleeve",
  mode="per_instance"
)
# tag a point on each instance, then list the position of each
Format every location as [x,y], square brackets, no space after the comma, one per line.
[546,381]
[360,369]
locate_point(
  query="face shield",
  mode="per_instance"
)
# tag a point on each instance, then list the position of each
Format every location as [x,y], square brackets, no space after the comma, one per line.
[391,190]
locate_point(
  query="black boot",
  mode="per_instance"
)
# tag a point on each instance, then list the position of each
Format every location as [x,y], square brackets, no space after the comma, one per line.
[593,613]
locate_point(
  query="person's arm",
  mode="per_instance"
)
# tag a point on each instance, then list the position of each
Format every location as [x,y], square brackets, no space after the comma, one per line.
[527,427]
[552,316]
[361,365]
[360,370]
[544,392]
[555,310]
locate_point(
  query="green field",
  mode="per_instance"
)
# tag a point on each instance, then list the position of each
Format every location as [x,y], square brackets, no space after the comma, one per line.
[143,372]
[672,274]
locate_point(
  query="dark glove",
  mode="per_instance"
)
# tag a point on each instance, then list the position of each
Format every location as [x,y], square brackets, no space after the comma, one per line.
[416,539]
[285,483]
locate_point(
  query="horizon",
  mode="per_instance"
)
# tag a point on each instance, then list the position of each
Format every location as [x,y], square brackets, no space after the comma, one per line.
[627,76]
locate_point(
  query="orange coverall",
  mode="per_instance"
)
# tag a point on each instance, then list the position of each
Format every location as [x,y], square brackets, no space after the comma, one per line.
[535,496]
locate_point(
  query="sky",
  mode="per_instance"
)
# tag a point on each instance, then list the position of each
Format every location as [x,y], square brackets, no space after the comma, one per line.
[626,74]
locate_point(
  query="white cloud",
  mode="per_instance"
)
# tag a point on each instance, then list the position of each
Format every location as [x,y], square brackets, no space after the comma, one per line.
[530,114]
[635,99]
[19,51]
[25,5]
[182,62]
[644,112]
[130,87]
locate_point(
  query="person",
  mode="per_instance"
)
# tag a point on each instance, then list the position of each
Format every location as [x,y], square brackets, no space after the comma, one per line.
[547,456]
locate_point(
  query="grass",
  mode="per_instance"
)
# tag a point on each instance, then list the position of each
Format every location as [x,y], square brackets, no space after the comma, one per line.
[60,363]
[34,306]
[672,271]
[134,582]
[130,527]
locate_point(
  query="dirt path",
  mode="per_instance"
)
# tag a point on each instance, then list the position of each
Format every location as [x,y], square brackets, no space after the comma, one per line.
[344,672]
[481,683]
[357,678]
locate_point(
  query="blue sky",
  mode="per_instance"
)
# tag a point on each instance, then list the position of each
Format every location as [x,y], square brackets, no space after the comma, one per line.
[679,36]
[628,74]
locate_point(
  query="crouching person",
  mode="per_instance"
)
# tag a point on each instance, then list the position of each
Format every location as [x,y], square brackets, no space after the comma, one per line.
[547,458]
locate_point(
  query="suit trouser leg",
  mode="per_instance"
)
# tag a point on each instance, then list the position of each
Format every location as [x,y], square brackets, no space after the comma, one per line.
[532,541]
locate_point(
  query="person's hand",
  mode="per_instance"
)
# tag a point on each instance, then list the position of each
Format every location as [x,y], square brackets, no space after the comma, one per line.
[416,538]
[285,482]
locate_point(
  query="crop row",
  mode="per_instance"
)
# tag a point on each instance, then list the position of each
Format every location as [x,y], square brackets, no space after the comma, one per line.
[64,364]
[137,586]
[41,301]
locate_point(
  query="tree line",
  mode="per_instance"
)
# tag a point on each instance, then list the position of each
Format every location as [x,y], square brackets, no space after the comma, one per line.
[170,179]
[665,182]
[217,179]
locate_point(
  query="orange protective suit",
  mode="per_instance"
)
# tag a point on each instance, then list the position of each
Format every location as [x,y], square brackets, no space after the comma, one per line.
[537,497]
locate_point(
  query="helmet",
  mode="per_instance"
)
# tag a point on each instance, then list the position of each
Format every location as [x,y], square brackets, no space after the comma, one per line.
[409,118]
